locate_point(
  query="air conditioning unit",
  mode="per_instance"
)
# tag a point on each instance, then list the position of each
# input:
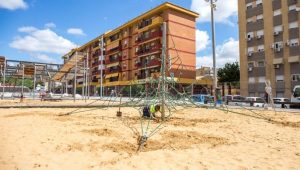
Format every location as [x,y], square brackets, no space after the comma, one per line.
[294,44]
[261,50]
[276,33]
[249,39]
[259,37]
[276,66]
[249,54]
[250,69]
[298,9]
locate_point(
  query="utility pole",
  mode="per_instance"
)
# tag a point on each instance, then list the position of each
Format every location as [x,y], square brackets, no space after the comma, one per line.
[101,67]
[215,80]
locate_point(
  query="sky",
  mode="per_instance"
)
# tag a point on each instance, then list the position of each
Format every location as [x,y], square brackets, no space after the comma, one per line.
[43,31]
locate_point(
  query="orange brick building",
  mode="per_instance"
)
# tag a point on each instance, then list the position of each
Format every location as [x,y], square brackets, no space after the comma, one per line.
[132,51]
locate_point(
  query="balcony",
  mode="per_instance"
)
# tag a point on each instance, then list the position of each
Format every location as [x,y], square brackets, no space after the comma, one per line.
[146,24]
[152,63]
[95,72]
[113,60]
[152,35]
[111,71]
[116,49]
[153,49]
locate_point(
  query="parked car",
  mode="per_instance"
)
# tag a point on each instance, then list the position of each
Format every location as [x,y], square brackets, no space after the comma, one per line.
[281,100]
[256,101]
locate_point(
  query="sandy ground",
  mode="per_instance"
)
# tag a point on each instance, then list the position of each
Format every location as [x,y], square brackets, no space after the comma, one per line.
[191,139]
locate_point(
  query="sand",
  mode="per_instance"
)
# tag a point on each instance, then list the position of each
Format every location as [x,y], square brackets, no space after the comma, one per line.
[191,139]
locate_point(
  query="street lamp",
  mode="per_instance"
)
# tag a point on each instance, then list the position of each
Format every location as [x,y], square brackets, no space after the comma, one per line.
[215,80]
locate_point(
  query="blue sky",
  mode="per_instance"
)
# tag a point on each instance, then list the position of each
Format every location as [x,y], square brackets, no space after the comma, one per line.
[43,31]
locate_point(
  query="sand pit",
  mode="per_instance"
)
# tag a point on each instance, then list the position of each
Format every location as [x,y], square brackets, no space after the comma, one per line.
[191,139]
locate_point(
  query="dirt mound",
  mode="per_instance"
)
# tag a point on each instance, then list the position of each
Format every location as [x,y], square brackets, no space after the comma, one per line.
[101,132]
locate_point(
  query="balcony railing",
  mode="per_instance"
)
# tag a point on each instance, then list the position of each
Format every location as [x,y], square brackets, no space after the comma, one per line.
[110,71]
[149,22]
[152,49]
[151,36]
[151,63]
[119,48]
[113,60]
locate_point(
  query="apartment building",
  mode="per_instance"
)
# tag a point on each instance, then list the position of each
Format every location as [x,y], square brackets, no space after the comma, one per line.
[132,52]
[269,46]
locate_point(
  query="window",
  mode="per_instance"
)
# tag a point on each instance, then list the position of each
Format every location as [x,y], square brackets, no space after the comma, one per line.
[249,20]
[277,12]
[250,64]
[260,48]
[250,49]
[279,78]
[251,79]
[278,28]
[261,63]
[260,33]
[292,7]
[262,79]
[259,17]
[294,42]
[293,25]
[259,3]
[295,77]
[249,5]
[250,35]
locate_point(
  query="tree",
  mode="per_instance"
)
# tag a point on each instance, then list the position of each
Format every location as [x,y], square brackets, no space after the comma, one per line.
[230,73]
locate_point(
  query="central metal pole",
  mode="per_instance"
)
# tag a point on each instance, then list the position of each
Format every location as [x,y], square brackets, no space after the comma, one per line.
[101,68]
[163,69]
[75,77]
[215,80]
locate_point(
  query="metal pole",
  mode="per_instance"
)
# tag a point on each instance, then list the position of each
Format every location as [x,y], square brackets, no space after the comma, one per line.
[130,91]
[86,78]
[4,74]
[101,69]
[163,68]
[34,80]
[215,81]
[84,82]
[88,75]
[75,77]
[23,80]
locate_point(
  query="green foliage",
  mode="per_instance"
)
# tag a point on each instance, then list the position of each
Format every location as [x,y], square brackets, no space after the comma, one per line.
[230,73]
[18,82]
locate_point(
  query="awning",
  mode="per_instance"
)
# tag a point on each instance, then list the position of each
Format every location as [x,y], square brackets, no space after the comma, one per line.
[112,75]
[278,61]
[112,65]
[294,59]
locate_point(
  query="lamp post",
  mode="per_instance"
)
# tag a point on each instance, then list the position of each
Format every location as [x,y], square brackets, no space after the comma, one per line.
[215,80]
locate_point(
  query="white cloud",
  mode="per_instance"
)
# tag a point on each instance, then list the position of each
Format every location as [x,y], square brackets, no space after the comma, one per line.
[76,31]
[227,52]
[27,29]
[45,58]
[41,40]
[13,4]
[225,10]
[202,40]
[50,25]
